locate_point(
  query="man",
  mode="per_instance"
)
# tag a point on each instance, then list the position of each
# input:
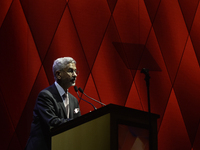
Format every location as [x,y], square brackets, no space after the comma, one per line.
[51,108]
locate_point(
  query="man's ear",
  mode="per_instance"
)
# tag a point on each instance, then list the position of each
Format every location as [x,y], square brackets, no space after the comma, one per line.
[58,74]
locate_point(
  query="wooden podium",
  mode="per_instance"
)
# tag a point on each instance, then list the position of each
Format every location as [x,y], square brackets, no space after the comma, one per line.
[111,127]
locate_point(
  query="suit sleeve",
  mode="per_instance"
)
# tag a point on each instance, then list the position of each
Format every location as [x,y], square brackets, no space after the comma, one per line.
[47,109]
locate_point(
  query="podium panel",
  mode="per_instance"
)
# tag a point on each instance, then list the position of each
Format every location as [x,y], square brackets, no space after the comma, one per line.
[111,127]
[92,135]
[132,138]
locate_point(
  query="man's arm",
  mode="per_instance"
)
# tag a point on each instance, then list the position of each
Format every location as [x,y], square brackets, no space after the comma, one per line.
[48,109]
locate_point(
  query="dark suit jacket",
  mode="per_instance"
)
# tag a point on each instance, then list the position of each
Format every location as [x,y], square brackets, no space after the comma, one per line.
[49,111]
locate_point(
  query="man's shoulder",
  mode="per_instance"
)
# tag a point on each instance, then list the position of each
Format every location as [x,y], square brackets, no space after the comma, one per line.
[48,90]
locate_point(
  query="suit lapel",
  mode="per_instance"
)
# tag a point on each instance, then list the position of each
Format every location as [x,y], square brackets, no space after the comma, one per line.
[62,106]
[59,99]
[71,106]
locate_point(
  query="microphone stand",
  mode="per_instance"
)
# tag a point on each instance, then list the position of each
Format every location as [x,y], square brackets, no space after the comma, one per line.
[81,90]
[147,77]
[76,90]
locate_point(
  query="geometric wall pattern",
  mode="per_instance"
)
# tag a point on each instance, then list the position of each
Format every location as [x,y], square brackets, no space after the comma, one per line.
[111,40]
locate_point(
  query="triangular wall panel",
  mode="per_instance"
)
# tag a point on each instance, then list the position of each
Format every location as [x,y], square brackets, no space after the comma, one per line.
[19,56]
[4,7]
[91,19]
[187,89]
[173,133]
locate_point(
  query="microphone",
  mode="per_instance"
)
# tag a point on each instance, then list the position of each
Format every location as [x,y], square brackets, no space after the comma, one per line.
[81,90]
[76,90]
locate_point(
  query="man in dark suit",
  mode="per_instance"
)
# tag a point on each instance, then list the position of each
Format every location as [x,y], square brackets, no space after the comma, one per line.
[54,105]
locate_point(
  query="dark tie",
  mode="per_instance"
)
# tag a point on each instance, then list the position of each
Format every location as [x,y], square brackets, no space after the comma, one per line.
[66,98]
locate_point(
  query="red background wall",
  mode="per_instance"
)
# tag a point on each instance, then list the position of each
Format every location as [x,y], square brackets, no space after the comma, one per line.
[111,40]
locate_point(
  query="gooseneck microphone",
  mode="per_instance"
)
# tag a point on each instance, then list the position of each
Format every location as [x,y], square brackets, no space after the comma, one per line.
[81,90]
[76,90]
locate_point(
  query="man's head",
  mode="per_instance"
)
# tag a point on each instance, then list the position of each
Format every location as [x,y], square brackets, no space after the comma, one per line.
[64,71]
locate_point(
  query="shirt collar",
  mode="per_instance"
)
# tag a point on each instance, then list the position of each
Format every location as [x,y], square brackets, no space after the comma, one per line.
[60,89]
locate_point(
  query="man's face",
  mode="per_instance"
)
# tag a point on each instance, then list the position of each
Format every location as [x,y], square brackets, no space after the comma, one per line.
[68,75]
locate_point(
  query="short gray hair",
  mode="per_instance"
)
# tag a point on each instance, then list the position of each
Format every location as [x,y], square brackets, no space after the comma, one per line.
[61,63]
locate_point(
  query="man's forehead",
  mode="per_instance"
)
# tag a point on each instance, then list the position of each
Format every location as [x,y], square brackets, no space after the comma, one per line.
[71,65]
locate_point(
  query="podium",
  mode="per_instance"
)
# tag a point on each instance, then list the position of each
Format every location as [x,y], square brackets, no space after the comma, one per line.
[111,127]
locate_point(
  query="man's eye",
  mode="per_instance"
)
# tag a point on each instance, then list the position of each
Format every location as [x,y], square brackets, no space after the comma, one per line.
[70,70]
